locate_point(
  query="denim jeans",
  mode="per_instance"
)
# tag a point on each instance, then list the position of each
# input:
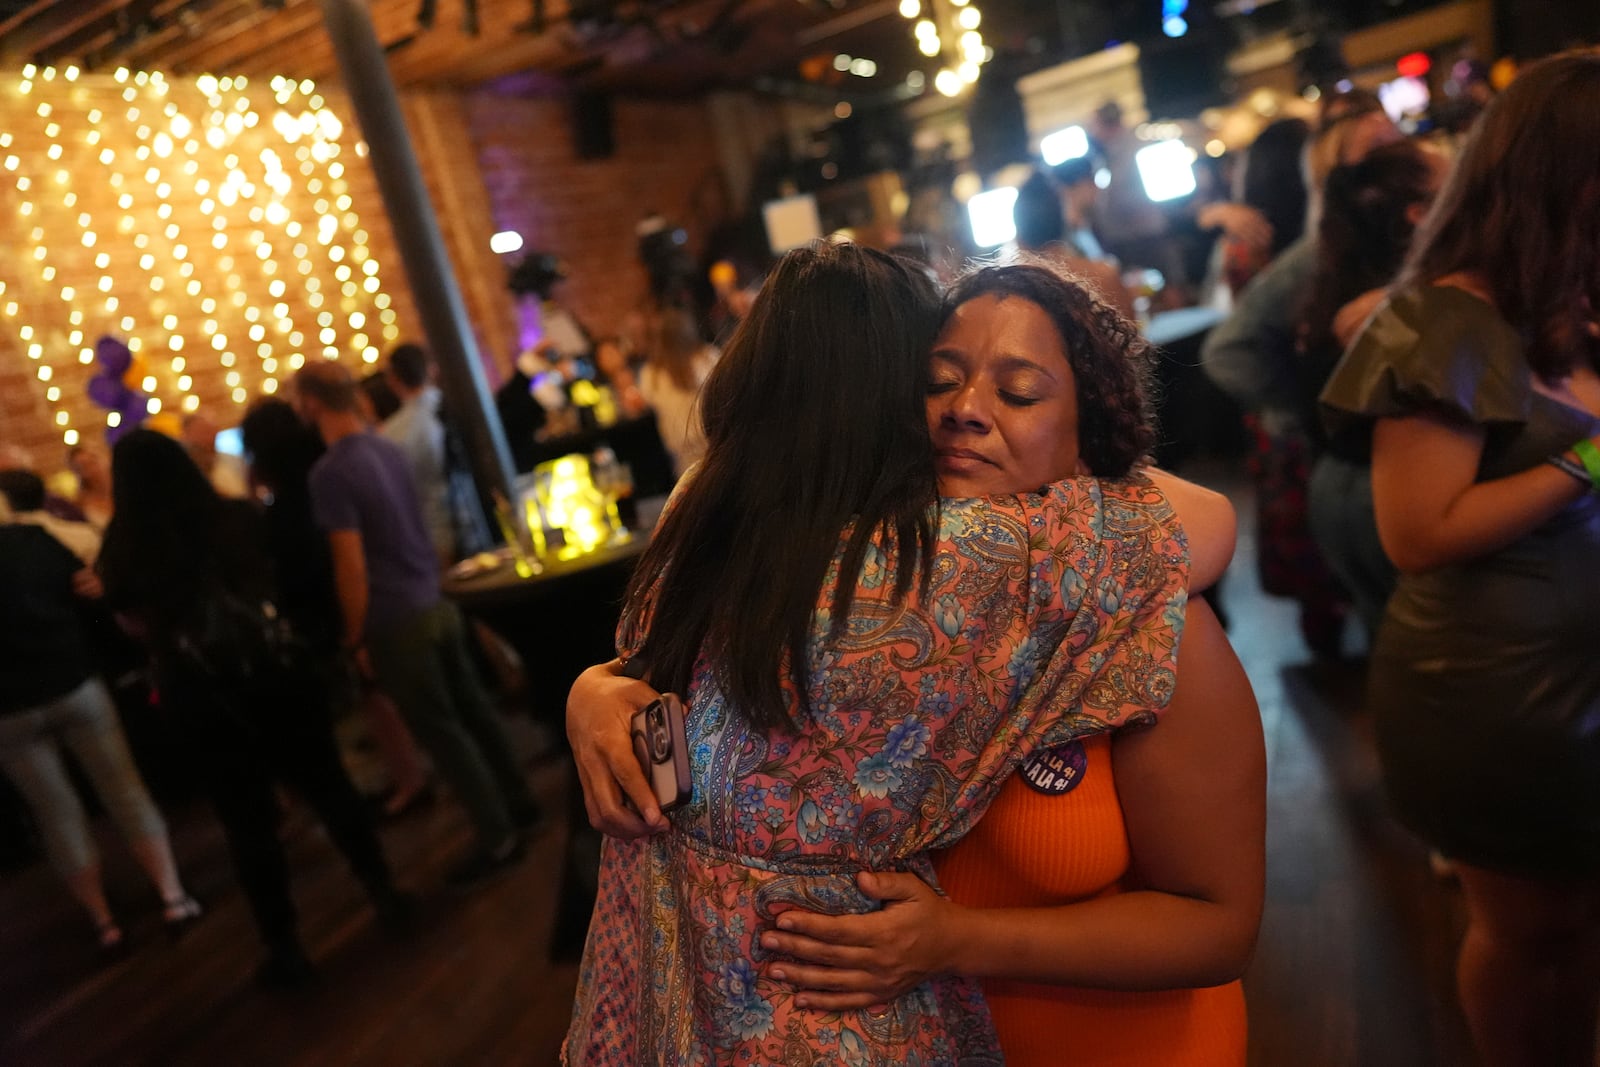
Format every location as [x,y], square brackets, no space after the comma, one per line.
[423,663]
[1345,527]
[85,721]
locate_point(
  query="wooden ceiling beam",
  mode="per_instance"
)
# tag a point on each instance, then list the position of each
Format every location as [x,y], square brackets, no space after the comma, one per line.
[246,37]
[27,14]
[46,22]
[308,53]
[228,25]
[444,55]
[263,35]
[169,31]
[92,41]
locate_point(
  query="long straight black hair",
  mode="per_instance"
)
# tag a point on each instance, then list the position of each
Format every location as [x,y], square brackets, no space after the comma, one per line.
[161,546]
[815,422]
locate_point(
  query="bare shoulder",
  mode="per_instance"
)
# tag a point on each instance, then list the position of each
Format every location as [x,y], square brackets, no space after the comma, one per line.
[1209,520]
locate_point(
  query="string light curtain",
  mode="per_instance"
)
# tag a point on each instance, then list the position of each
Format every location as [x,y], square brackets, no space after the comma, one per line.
[947,30]
[207,222]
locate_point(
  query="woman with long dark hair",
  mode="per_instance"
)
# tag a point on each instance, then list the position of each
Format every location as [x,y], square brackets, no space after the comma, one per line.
[1272,182]
[1481,381]
[189,574]
[1370,210]
[862,664]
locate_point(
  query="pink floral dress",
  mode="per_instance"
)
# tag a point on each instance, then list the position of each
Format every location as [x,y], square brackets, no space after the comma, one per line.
[1049,617]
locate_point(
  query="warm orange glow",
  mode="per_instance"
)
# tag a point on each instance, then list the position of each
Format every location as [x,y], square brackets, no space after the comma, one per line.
[149,171]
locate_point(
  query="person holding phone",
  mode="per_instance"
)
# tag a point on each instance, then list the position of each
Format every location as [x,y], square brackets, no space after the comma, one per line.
[660,746]
[918,700]
[1089,893]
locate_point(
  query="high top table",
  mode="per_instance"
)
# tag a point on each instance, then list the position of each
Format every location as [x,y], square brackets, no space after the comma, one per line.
[561,621]
[1195,416]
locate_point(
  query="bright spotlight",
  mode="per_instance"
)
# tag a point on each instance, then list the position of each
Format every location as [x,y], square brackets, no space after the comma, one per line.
[992,215]
[1058,147]
[505,241]
[1166,169]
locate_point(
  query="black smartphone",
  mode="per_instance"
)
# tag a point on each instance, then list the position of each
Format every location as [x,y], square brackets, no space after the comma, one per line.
[662,750]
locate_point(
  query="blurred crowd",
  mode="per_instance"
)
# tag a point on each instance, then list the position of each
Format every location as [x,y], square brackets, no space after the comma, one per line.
[233,608]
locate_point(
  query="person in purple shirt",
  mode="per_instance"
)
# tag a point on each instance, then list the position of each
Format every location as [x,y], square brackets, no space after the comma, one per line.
[396,622]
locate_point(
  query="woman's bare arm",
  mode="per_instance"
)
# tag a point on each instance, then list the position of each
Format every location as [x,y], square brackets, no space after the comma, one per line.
[1432,511]
[600,711]
[1210,522]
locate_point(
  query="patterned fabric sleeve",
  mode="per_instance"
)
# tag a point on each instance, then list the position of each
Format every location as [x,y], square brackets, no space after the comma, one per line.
[1116,664]
[1123,671]
[1085,568]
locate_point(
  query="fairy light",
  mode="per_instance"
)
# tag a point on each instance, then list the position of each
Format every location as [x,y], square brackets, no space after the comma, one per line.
[282,151]
[948,33]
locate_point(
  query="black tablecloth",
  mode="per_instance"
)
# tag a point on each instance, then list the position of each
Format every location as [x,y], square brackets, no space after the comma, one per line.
[1196,418]
[561,621]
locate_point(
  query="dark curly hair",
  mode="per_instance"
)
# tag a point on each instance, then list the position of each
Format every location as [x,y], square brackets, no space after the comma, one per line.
[1110,361]
[1365,230]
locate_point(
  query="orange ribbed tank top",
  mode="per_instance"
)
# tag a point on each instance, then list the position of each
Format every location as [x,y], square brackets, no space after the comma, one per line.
[1032,849]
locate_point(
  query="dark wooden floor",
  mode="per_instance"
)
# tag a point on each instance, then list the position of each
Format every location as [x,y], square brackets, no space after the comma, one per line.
[1355,964]
[1353,968]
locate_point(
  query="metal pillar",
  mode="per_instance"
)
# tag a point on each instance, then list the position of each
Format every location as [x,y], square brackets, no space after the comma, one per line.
[422,252]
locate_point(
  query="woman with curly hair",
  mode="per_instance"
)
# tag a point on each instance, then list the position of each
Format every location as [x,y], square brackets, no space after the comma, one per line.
[1033,380]
[1112,890]
[1370,210]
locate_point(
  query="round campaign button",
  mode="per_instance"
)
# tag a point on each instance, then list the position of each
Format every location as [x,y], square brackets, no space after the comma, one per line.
[1056,771]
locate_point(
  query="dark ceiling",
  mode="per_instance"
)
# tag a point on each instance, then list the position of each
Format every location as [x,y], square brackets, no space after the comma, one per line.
[639,46]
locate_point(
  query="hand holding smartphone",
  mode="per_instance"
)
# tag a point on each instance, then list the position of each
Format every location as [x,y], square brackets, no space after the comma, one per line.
[660,745]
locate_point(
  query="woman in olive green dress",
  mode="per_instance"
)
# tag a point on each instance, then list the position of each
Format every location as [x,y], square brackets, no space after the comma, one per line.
[1479,377]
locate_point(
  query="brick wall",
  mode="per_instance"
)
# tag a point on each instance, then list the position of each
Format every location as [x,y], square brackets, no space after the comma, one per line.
[584,211]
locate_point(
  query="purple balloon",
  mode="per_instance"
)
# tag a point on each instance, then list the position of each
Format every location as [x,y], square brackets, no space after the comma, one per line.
[108,391]
[113,355]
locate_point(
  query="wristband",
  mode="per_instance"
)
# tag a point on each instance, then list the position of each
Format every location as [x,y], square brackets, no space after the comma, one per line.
[1569,468]
[1589,456]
